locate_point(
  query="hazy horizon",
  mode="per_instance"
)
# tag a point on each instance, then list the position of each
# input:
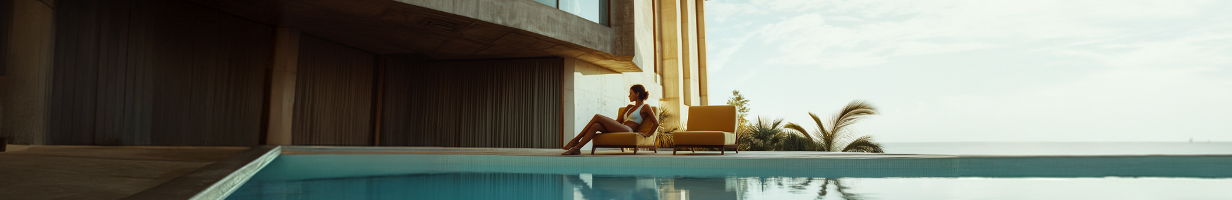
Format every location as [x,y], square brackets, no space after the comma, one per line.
[982,71]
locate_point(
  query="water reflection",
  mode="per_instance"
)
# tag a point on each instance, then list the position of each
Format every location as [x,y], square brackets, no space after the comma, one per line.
[549,186]
[840,188]
[593,187]
[825,188]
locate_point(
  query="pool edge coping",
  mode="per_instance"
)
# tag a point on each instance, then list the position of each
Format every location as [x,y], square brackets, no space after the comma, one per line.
[216,180]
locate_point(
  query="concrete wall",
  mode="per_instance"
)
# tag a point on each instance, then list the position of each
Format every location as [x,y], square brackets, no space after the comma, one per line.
[26,87]
[643,30]
[590,89]
[530,16]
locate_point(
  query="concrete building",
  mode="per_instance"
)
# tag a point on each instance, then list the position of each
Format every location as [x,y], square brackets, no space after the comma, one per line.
[455,73]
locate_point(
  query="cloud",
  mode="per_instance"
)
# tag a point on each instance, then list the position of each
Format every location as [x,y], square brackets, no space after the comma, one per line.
[865,33]
[1117,105]
[987,70]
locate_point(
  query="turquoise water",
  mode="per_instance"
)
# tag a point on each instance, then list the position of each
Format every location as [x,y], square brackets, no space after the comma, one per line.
[592,186]
[425,176]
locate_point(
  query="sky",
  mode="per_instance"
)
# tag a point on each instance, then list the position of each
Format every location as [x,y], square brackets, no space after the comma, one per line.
[982,70]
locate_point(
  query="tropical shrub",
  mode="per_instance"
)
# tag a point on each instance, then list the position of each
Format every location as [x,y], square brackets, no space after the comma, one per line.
[838,137]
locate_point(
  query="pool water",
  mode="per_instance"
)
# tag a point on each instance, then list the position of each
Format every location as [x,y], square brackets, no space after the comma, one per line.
[534,177]
[590,186]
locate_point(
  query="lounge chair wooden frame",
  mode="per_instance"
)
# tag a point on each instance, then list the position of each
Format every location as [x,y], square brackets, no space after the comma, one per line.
[722,148]
[622,148]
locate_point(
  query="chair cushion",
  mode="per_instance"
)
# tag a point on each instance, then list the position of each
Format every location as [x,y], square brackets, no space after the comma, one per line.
[712,118]
[703,138]
[630,138]
[623,138]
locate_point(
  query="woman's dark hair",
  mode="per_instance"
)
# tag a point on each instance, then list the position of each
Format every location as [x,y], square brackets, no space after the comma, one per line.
[641,91]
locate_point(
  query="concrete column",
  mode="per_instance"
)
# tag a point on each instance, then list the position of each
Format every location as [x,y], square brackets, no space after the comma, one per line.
[27,84]
[691,65]
[282,86]
[703,91]
[686,49]
[672,62]
[569,112]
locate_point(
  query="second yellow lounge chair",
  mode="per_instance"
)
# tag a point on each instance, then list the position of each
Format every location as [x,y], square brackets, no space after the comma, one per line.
[709,127]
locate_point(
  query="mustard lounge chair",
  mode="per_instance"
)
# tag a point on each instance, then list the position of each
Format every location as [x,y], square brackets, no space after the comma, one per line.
[628,139]
[709,127]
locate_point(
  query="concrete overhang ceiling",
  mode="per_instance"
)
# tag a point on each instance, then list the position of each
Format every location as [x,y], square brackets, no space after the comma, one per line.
[391,27]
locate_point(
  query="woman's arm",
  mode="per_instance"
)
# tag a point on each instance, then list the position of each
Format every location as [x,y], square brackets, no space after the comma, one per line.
[649,119]
[621,117]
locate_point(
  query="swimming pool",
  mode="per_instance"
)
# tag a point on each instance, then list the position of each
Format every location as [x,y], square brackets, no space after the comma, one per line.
[469,174]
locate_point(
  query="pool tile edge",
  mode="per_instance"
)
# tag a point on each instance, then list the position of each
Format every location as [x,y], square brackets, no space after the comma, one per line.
[216,180]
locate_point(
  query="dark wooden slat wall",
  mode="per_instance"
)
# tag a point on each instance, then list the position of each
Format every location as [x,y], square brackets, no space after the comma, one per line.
[157,72]
[333,94]
[75,74]
[167,72]
[6,20]
[484,103]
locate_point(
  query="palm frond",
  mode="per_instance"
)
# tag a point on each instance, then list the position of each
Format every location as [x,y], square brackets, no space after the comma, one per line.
[864,144]
[778,123]
[797,143]
[799,129]
[826,136]
[852,113]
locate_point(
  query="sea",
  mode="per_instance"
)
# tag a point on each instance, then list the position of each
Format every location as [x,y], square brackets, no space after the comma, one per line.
[1060,148]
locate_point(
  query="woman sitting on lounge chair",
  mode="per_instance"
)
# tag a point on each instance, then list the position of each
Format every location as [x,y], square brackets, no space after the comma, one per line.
[635,115]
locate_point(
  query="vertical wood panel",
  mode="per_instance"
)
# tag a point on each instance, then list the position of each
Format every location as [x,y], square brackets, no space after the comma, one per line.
[73,82]
[157,72]
[333,94]
[6,20]
[484,103]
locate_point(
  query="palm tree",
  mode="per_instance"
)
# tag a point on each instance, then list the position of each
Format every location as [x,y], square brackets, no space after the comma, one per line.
[665,133]
[765,135]
[829,139]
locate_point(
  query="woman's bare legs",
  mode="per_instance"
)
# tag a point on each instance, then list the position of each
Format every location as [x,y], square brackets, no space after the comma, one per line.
[599,124]
[575,139]
[579,136]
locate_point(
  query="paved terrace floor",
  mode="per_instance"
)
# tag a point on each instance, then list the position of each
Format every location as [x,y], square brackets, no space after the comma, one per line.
[97,172]
[601,152]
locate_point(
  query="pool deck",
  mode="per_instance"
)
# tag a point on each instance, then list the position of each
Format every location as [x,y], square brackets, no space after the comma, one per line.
[97,172]
[602,152]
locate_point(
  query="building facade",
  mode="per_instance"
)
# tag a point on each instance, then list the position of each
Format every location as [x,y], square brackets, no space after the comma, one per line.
[455,73]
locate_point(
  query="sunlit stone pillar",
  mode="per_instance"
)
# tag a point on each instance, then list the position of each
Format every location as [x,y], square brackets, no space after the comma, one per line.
[26,85]
[282,86]
[702,84]
[672,63]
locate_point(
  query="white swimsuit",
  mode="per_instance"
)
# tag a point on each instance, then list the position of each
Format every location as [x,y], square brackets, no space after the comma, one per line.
[635,116]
